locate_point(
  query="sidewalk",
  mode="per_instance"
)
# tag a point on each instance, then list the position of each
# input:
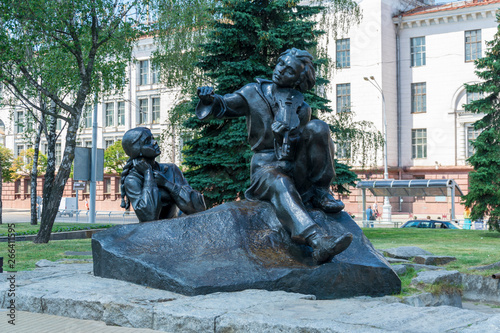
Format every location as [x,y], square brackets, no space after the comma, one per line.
[71,290]
[28,322]
[10,215]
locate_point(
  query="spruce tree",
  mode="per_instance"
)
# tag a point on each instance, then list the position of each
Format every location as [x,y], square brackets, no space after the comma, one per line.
[484,181]
[246,42]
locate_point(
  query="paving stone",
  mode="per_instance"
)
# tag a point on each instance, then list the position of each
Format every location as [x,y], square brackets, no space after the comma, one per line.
[399,269]
[428,299]
[78,253]
[394,260]
[433,260]
[71,290]
[45,263]
[486,267]
[432,277]
[419,267]
[405,252]
[481,288]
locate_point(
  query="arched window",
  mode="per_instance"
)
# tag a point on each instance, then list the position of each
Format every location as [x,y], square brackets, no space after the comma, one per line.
[2,127]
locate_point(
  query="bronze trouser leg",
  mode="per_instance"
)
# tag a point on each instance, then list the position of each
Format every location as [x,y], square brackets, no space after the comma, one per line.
[271,183]
[314,165]
[290,210]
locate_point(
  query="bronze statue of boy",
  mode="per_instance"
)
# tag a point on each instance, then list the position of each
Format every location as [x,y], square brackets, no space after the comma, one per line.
[156,191]
[293,162]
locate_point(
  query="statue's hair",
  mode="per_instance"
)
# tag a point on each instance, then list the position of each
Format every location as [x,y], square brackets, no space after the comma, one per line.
[126,170]
[307,78]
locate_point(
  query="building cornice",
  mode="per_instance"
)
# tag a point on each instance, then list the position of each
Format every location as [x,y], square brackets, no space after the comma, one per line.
[448,16]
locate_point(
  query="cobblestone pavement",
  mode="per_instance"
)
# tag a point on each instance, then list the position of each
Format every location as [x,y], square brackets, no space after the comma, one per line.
[27,322]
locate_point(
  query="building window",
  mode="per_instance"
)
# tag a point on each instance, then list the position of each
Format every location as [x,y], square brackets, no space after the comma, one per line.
[418,97]
[121,113]
[17,186]
[87,120]
[143,111]
[58,153]
[20,122]
[107,185]
[473,96]
[19,149]
[59,124]
[109,109]
[155,74]
[344,149]
[419,143]
[344,97]
[343,53]
[472,135]
[27,187]
[417,51]
[88,144]
[108,143]
[472,45]
[156,110]
[143,72]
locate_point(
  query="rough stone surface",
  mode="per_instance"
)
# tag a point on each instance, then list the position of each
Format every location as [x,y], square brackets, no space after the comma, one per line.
[481,288]
[45,263]
[71,290]
[78,253]
[428,299]
[399,269]
[405,252]
[238,246]
[432,277]
[486,267]
[394,260]
[433,260]
[418,267]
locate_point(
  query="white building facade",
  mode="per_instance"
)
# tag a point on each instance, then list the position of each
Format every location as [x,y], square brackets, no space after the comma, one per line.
[420,54]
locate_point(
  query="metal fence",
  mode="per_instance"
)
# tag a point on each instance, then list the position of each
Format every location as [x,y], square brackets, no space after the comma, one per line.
[108,217]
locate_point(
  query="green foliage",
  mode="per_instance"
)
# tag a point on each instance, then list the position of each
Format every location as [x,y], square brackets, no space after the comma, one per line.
[5,164]
[22,165]
[362,140]
[245,43]
[484,181]
[115,158]
[406,287]
[60,52]
[345,178]
[185,23]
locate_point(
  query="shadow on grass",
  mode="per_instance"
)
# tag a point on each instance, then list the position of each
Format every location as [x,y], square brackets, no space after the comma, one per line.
[491,234]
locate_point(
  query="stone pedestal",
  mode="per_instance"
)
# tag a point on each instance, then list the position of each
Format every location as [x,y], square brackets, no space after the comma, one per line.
[238,246]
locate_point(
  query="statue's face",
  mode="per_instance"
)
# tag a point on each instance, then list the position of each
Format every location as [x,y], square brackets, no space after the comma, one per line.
[149,147]
[287,72]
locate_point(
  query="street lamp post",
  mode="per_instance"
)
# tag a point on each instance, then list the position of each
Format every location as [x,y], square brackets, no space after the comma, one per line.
[387,208]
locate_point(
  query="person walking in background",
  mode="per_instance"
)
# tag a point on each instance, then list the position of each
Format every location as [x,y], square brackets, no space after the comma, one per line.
[370,215]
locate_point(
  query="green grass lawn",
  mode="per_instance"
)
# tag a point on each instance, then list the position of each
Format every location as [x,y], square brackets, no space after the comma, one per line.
[27,253]
[470,247]
[28,229]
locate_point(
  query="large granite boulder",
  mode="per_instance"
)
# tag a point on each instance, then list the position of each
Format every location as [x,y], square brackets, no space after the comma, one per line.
[237,246]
